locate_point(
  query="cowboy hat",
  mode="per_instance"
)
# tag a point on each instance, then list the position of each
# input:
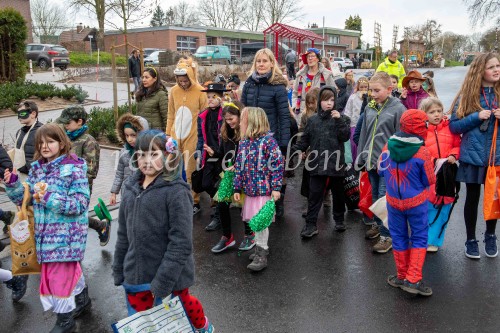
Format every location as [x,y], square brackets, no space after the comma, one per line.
[412,75]
[216,87]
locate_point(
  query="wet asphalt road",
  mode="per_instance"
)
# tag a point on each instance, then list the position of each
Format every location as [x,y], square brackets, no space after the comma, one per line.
[332,283]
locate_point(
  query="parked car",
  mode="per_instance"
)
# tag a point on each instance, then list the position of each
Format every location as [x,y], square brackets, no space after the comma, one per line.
[148,50]
[343,63]
[213,54]
[152,59]
[349,63]
[43,54]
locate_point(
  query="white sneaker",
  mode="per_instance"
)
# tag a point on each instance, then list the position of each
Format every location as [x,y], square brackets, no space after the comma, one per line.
[432,248]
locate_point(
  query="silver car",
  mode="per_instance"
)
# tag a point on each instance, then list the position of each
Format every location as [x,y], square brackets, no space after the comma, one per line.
[43,54]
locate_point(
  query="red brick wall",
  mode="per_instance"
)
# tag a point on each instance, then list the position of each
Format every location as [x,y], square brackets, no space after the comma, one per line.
[23,6]
[349,40]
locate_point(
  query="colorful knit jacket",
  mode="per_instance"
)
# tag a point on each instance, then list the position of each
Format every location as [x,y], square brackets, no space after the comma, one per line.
[259,166]
[61,216]
[408,170]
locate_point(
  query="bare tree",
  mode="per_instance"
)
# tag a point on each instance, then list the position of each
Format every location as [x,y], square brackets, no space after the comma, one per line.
[48,19]
[253,15]
[483,11]
[184,14]
[280,11]
[430,31]
[214,13]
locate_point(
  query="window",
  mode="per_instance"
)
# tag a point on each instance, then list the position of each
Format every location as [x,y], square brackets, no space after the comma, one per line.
[187,43]
[334,39]
[331,53]
[340,54]
[234,46]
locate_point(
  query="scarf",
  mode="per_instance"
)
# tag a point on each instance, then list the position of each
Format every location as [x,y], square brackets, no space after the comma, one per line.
[264,78]
[76,134]
[300,89]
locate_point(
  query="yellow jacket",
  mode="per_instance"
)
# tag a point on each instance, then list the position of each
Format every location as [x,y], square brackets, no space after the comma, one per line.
[393,69]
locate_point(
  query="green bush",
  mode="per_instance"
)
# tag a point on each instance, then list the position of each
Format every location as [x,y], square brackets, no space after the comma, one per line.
[13,33]
[84,59]
[453,63]
[101,122]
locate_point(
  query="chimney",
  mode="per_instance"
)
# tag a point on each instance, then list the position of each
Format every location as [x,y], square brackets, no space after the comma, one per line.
[79,28]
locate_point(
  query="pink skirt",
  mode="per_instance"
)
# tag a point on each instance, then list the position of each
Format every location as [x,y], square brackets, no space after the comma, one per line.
[252,206]
[59,283]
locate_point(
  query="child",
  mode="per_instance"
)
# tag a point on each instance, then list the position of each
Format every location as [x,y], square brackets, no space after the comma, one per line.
[154,247]
[442,144]
[413,93]
[18,284]
[6,217]
[395,90]
[127,128]
[83,145]
[60,190]
[209,124]
[380,121]
[353,108]
[475,111]
[233,84]
[325,135]
[230,137]
[259,174]
[342,94]
[408,170]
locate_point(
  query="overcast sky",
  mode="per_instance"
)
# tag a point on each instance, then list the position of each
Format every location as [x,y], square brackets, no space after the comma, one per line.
[451,14]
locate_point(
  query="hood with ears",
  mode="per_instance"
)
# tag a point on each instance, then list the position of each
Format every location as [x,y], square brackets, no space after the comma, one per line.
[137,122]
[187,67]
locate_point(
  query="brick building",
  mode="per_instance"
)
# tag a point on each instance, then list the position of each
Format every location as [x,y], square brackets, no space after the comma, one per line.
[338,41]
[79,39]
[23,6]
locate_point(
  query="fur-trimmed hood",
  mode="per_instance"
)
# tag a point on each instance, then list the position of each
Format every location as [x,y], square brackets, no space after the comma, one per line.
[137,122]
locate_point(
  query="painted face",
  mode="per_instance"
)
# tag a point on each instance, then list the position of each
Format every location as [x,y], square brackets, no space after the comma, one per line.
[148,80]
[415,85]
[435,114]
[232,86]
[184,82]
[50,148]
[328,104]
[130,136]
[263,64]
[312,59]
[73,125]
[394,83]
[232,121]
[492,72]
[150,162]
[214,100]
[379,93]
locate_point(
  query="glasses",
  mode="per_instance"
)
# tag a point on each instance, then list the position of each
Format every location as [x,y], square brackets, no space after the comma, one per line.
[311,56]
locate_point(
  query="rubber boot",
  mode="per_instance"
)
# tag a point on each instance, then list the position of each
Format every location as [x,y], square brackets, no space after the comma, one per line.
[82,301]
[280,209]
[18,285]
[259,261]
[64,324]
[416,264]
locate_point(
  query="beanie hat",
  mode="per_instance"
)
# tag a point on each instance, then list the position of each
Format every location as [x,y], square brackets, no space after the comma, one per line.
[414,122]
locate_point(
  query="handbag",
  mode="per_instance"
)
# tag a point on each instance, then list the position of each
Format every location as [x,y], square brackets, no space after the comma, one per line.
[379,208]
[168,317]
[17,155]
[22,239]
[365,194]
[491,202]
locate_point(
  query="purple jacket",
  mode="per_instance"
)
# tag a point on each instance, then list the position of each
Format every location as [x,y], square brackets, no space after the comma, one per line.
[259,166]
[413,99]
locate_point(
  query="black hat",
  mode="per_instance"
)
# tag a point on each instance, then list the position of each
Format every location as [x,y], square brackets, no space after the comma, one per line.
[216,87]
[220,78]
[234,78]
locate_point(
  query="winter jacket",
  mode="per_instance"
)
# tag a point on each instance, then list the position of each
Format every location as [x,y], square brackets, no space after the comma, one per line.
[134,66]
[227,151]
[259,166]
[393,69]
[5,162]
[61,216]
[408,171]
[413,99]
[475,145]
[86,147]
[323,77]
[29,146]
[379,123]
[154,109]
[272,97]
[326,136]
[353,108]
[155,236]
[342,94]
[202,133]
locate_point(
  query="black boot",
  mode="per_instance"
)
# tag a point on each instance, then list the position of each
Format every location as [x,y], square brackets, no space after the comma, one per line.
[215,224]
[64,324]
[7,218]
[82,301]
[18,285]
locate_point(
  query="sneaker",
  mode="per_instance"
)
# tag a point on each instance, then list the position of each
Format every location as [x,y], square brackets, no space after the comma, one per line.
[208,328]
[309,230]
[490,245]
[196,209]
[393,280]
[18,284]
[417,288]
[432,248]
[248,243]
[104,234]
[373,232]
[384,245]
[340,226]
[472,249]
[215,224]
[259,261]
[224,244]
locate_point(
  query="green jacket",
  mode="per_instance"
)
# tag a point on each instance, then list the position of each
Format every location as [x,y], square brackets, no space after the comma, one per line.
[86,147]
[393,69]
[154,109]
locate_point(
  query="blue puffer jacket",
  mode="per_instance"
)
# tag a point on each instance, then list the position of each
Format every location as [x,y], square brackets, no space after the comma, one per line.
[273,98]
[475,146]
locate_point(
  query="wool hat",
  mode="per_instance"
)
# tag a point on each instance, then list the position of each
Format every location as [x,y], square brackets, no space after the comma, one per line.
[72,112]
[414,122]
[311,50]
[412,75]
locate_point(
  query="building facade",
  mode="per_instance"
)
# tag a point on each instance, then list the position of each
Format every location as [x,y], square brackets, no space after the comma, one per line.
[23,7]
[337,41]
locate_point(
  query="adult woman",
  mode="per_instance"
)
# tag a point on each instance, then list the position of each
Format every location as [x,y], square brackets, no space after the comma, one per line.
[152,99]
[266,88]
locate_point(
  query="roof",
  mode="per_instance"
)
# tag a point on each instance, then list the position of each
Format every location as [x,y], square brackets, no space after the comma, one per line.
[336,31]
[164,27]
[285,30]
[74,36]
[413,41]
[230,33]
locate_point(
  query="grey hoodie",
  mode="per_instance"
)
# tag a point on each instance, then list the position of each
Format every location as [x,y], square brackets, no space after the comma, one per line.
[376,130]
[155,236]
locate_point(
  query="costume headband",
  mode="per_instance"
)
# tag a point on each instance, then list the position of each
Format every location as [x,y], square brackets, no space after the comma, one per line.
[154,70]
[171,146]
[232,105]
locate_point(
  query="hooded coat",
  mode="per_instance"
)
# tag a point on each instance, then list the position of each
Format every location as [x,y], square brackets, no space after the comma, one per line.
[326,135]
[270,94]
[342,95]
